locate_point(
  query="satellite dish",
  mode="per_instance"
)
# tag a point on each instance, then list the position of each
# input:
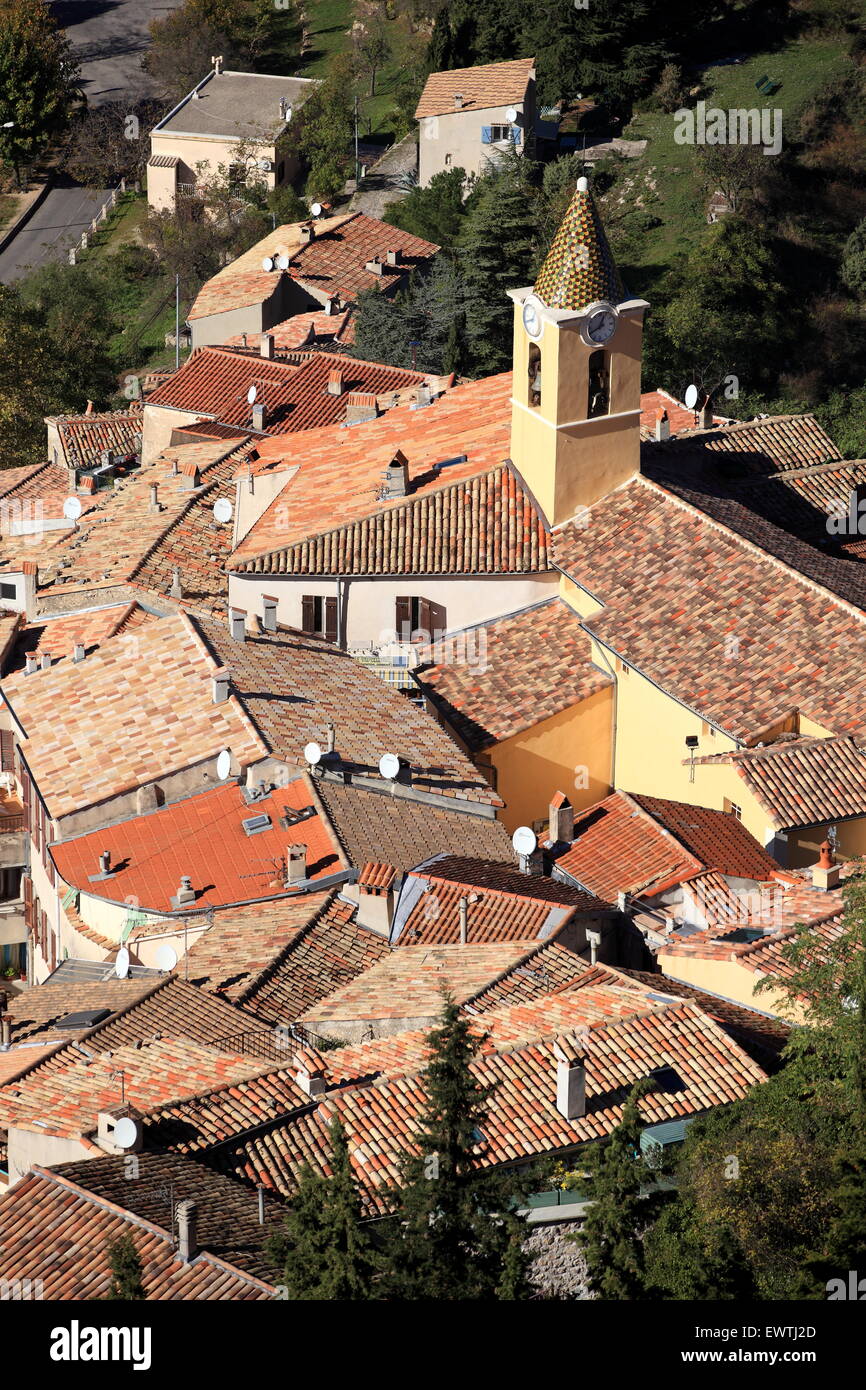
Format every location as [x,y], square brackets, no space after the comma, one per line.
[166,958]
[389,765]
[72,508]
[282,262]
[313,754]
[222,510]
[121,965]
[224,765]
[691,397]
[125,1133]
[251,394]
[524,840]
[267,263]
[511,114]
[316,209]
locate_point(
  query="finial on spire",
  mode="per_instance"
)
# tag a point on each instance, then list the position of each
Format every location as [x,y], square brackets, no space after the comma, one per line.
[583,184]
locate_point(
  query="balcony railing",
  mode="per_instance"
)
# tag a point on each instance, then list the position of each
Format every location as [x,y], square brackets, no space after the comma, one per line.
[392,662]
[190,190]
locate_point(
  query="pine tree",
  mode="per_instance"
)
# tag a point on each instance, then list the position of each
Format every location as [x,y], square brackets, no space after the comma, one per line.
[324,1250]
[611,1235]
[127,1275]
[456,1234]
[38,82]
[498,252]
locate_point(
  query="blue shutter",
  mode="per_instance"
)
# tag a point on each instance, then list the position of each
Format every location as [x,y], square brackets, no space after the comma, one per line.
[486,137]
[515,134]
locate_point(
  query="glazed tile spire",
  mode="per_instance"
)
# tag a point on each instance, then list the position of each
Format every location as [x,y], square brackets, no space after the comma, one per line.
[579,268]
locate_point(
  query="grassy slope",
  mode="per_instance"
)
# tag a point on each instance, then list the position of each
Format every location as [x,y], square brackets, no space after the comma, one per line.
[802,67]
[328,24]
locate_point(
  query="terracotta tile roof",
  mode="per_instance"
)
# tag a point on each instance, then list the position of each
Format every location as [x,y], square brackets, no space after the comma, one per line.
[84,437]
[235,954]
[171,1007]
[44,487]
[36,1013]
[747,448]
[757,1033]
[802,782]
[203,837]
[527,667]
[198,1123]
[404,833]
[729,632]
[58,1232]
[579,267]
[471,515]
[227,1217]
[680,418]
[291,685]
[489,84]
[543,970]
[717,838]
[81,744]
[327,953]
[334,261]
[377,877]
[215,380]
[408,984]
[503,904]
[620,848]
[301,331]
[91,627]
[761,952]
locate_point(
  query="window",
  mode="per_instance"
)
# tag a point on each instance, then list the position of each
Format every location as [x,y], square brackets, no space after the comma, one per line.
[733,808]
[9,591]
[10,883]
[598,402]
[418,620]
[499,132]
[448,161]
[319,616]
[534,396]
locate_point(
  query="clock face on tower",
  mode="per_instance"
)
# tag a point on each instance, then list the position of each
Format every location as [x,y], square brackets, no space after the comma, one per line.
[600,324]
[532,320]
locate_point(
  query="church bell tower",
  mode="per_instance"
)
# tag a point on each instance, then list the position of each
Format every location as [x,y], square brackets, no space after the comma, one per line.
[575,414]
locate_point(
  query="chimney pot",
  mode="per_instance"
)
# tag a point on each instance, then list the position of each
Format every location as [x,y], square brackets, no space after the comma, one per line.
[186,892]
[561,819]
[6,1031]
[154,498]
[105,862]
[187,1230]
[826,874]
[296,863]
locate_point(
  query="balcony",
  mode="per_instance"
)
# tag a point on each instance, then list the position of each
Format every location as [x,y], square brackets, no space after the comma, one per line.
[13,832]
[392,662]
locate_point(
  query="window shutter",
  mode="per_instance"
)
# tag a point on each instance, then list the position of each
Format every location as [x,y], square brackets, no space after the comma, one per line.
[7,750]
[438,624]
[27,885]
[425,622]
[515,134]
[308,613]
[404,619]
[486,135]
[331,619]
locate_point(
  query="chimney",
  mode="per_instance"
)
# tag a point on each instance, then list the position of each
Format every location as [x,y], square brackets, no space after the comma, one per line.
[329,306]
[464,920]
[220,683]
[30,663]
[396,476]
[105,862]
[191,478]
[707,414]
[89,410]
[185,893]
[155,505]
[374,267]
[45,661]
[360,407]
[309,1075]
[176,590]
[308,233]
[561,819]
[187,1230]
[622,901]
[331,741]
[374,894]
[260,415]
[71,477]
[422,395]
[217,65]
[395,256]
[78,652]
[663,426]
[284,108]
[296,863]
[6,1032]
[570,1082]
[269,613]
[146,799]
[825,874]
[237,625]
[335,383]
[30,571]
[458,101]
[266,345]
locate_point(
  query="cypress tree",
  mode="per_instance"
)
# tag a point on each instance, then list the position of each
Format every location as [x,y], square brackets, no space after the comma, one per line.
[456,1234]
[324,1250]
[127,1275]
[498,249]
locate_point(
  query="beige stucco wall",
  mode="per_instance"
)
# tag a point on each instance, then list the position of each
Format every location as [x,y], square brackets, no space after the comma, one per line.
[458,134]
[729,979]
[157,425]
[27,1147]
[208,151]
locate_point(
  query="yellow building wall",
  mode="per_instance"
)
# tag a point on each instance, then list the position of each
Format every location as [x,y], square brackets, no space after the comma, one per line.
[570,752]
[731,980]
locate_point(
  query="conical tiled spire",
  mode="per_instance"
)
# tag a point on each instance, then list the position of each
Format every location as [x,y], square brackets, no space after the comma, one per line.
[579,268]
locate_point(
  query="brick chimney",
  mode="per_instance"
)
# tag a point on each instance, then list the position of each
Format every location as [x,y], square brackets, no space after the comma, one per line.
[561,819]
[187,1230]
[266,345]
[570,1081]
[663,425]
[296,863]
[335,383]
[825,874]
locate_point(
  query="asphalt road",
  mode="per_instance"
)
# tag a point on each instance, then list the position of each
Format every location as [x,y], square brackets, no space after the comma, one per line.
[109,38]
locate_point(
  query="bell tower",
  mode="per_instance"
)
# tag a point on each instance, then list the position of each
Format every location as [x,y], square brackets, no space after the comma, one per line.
[575,411]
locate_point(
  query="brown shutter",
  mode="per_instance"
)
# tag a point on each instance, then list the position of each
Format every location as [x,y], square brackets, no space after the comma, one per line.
[7,750]
[27,885]
[331,619]
[308,613]
[438,621]
[403,621]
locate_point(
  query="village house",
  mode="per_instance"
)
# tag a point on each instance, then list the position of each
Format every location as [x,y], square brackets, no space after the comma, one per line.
[468,117]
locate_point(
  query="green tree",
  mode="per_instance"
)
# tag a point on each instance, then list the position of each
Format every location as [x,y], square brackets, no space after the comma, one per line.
[423,325]
[127,1275]
[38,82]
[323,1250]
[854,261]
[844,1245]
[73,307]
[686,1258]
[456,1234]
[435,213]
[498,252]
[321,133]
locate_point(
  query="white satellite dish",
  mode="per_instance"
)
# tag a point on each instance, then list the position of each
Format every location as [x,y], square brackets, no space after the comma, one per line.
[251,394]
[125,1133]
[267,263]
[224,765]
[691,397]
[121,965]
[72,508]
[389,765]
[282,262]
[166,958]
[524,840]
[511,114]
[313,754]
[222,510]
[316,209]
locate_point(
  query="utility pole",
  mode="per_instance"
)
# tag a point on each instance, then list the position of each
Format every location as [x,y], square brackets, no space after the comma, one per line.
[177,322]
[357,161]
